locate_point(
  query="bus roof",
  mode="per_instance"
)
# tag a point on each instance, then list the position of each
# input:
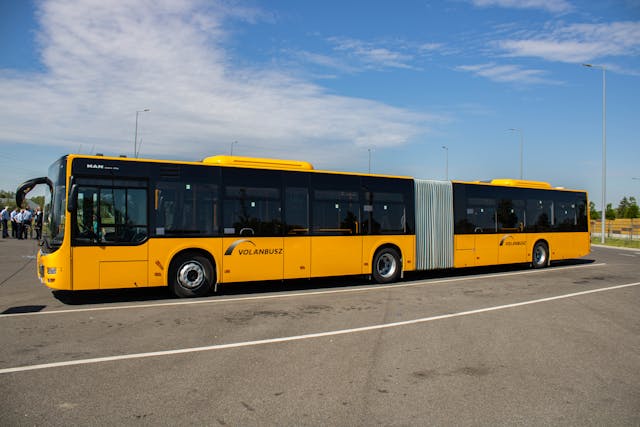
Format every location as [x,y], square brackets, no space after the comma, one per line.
[299,165]
[508,182]
[240,162]
[258,162]
[517,183]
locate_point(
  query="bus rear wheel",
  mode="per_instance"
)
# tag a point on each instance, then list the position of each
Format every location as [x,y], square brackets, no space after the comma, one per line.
[191,275]
[386,265]
[540,255]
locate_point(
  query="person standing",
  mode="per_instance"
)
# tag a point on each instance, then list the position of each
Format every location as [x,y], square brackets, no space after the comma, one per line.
[27,232]
[14,224]
[5,216]
[38,223]
[18,219]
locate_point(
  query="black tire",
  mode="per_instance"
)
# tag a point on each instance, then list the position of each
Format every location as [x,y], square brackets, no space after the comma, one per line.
[386,265]
[191,275]
[540,256]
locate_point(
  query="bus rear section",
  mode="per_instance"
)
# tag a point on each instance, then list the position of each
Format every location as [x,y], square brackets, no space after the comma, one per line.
[462,224]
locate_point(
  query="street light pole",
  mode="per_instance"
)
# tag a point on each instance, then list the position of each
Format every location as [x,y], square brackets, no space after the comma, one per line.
[521,150]
[135,138]
[446,163]
[604,143]
[234,142]
[369,150]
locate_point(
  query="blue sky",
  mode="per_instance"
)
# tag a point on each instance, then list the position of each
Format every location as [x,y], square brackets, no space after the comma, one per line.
[328,82]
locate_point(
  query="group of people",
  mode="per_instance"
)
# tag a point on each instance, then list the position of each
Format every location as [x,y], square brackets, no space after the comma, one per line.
[23,223]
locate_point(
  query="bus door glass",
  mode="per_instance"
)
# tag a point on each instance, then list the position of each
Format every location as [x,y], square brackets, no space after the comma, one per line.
[109,232]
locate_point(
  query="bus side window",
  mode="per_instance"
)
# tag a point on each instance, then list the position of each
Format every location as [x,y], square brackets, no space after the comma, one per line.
[296,211]
[252,204]
[335,201]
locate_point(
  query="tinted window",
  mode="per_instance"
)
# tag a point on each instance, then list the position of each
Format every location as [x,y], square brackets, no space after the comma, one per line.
[510,210]
[539,212]
[186,200]
[110,215]
[474,209]
[387,206]
[296,203]
[252,202]
[482,209]
[336,204]
[186,208]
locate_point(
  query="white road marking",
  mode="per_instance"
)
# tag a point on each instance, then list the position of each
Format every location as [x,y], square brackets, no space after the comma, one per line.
[218,300]
[307,336]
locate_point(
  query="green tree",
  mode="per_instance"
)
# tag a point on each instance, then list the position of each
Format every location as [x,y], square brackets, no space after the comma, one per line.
[633,211]
[623,206]
[593,213]
[610,213]
[7,194]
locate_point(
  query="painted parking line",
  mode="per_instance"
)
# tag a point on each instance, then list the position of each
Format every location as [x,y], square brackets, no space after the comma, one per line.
[219,300]
[307,336]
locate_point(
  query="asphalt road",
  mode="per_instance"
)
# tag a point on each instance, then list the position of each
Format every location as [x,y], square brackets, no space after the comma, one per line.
[499,346]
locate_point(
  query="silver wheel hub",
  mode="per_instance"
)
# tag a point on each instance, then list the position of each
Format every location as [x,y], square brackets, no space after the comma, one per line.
[191,275]
[386,265]
[540,255]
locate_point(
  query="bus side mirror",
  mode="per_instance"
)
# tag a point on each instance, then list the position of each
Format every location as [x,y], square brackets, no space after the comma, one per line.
[27,186]
[72,202]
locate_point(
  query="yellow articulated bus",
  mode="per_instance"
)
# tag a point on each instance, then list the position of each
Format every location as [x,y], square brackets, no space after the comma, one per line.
[113,222]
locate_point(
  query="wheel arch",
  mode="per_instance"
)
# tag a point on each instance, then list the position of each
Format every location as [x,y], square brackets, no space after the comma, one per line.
[540,240]
[199,251]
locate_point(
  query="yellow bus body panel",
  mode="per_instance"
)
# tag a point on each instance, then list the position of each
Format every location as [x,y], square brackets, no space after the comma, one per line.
[486,249]
[336,255]
[297,257]
[464,250]
[511,248]
[252,258]
[109,267]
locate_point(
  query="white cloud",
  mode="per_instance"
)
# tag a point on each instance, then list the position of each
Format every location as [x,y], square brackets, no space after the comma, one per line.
[373,55]
[105,60]
[508,73]
[579,42]
[555,6]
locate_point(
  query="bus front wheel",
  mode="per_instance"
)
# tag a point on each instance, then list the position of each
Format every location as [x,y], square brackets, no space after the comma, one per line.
[386,265]
[540,255]
[191,275]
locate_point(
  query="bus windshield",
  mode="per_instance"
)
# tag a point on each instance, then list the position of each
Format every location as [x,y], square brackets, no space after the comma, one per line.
[55,207]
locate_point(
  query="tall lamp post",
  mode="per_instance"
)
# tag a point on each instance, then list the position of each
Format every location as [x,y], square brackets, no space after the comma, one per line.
[135,138]
[234,142]
[604,143]
[521,149]
[446,162]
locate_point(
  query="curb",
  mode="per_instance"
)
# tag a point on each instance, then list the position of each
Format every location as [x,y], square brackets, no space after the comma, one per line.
[615,247]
